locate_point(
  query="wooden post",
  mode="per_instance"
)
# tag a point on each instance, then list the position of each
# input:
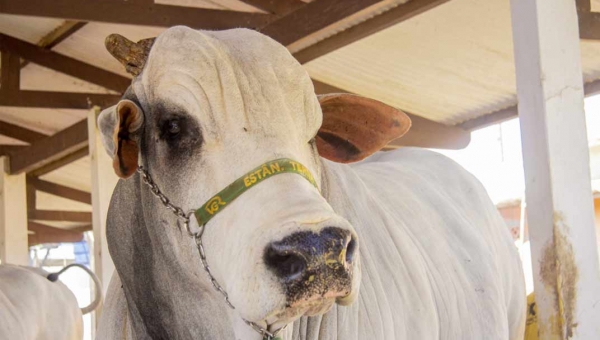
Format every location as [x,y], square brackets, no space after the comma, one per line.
[103,184]
[14,248]
[556,161]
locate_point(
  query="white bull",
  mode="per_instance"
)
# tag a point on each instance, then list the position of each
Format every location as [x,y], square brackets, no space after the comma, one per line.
[403,245]
[35,306]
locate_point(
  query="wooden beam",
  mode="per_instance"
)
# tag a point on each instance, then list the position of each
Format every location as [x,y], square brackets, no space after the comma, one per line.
[58,35]
[423,132]
[589,25]
[10,74]
[489,119]
[55,147]
[46,234]
[59,163]
[64,64]
[58,100]
[371,26]
[311,18]
[583,5]
[60,190]
[426,133]
[60,215]
[496,117]
[20,133]
[8,150]
[279,7]
[135,13]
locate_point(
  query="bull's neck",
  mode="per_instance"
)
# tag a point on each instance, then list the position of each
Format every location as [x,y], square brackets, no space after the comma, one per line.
[167,294]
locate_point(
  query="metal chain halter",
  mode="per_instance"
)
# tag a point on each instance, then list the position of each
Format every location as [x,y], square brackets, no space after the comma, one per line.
[197,236]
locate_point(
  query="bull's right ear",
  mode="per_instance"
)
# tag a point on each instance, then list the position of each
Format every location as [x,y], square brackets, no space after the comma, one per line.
[120,126]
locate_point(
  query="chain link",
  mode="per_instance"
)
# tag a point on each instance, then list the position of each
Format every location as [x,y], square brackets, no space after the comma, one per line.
[197,236]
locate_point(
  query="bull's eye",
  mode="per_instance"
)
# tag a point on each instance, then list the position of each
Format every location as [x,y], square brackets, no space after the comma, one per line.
[173,127]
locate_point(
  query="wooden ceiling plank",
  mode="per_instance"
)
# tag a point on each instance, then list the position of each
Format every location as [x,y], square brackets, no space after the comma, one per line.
[423,132]
[64,64]
[50,149]
[371,26]
[58,35]
[311,18]
[20,133]
[59,163]
[47,234]
[135,13]
[279,7]
[61,215]
[60,190]
[59,100]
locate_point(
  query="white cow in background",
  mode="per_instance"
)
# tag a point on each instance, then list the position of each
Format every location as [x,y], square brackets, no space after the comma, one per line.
[405,245]
[34,305]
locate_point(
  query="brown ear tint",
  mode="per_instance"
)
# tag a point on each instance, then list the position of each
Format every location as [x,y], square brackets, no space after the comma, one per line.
[355,127]
[129,119]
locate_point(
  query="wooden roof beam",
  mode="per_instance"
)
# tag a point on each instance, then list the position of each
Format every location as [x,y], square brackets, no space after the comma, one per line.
[20,133]
[48,150]
[60,190]
[311,18]
[58,100]
[10,75]
[58,35]
[423,132]
[278,7]
[60,215]
[63,64]
[371,26]
[135,13]
[46,234]
[497,117]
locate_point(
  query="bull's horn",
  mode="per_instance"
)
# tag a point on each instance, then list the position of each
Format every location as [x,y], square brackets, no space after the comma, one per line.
[132,55]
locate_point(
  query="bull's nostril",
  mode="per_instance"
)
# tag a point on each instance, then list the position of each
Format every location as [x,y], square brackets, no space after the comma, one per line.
[350,249]
[287,265]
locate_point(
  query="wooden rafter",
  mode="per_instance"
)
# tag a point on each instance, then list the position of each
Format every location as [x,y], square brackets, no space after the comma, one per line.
[63,64]
[9,150]
[71,140]
[60,215]
[279,7]
[311,18]
[46,234]
[58,35]
[135,13]
[20,133]
[60,190]
[10,75]
[371,26]
[589,22]
[423,132]
[496,117]
[58,100]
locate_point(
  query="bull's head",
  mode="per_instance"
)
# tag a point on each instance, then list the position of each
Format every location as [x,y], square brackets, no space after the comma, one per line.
[207,107]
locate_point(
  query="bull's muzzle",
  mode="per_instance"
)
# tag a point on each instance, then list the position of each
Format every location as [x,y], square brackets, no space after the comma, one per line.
[314,265]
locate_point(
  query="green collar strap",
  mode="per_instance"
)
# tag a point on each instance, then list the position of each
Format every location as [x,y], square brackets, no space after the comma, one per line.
[221,200]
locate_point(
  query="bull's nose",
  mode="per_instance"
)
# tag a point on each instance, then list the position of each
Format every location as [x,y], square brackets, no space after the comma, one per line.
[291,257]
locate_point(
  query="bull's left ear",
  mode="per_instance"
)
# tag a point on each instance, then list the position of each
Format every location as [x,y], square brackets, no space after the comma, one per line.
[120,126]
[355,127]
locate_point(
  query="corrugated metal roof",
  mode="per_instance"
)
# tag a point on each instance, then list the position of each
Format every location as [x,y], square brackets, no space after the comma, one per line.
[450,64]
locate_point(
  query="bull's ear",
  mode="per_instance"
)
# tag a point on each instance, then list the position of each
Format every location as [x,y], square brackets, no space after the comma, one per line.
[355,127]
[120,126]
